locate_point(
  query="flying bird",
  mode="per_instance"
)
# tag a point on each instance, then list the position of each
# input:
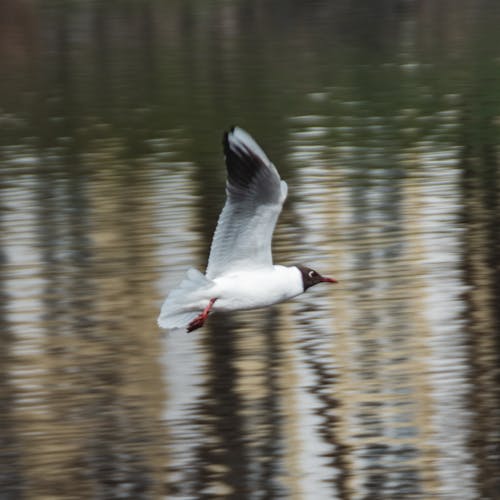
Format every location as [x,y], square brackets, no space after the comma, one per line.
[240,272]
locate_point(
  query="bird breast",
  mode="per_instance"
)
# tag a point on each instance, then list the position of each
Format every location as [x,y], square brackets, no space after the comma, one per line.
[253,289]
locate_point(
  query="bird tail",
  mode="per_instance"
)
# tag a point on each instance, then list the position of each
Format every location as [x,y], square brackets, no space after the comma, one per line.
[185,301]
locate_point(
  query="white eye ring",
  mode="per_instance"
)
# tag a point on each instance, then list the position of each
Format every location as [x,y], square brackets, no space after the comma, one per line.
[311,274]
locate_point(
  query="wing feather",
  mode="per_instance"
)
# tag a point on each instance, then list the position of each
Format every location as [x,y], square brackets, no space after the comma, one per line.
[255,196]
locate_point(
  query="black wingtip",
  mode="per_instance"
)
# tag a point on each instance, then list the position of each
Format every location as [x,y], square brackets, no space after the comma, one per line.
[225,138]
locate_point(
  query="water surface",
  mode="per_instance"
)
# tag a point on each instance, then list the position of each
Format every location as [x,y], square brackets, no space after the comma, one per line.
[384,121]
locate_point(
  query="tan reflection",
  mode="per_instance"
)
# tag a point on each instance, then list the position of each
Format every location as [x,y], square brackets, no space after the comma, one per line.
[289,381]
[412,194]
[438,224]
[386,338]
[183,355]
[89,411]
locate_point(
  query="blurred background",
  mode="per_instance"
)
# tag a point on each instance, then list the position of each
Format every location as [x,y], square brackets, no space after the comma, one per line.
[383,117]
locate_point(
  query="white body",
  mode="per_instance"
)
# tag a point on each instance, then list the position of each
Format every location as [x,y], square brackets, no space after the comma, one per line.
[235,290]
[256,288]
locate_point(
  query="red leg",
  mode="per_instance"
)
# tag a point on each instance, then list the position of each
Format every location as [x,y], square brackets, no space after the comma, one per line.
[201,318]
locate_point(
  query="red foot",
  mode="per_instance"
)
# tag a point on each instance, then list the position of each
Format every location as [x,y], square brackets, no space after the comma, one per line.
[200,319]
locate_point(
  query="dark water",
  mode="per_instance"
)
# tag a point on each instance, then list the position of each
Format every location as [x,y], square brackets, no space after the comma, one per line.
[383,117]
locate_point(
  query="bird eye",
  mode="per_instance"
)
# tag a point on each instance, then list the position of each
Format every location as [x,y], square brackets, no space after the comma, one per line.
[312,274]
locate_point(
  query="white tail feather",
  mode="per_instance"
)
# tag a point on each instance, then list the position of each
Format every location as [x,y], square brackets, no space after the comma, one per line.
[185,301]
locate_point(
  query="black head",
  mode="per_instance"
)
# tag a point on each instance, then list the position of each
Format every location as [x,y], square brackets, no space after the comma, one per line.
[310,277]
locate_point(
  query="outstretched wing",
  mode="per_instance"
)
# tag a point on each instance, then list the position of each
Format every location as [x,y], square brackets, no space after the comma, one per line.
[255,195]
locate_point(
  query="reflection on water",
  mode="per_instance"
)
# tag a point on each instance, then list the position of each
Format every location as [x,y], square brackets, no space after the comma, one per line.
[384,122]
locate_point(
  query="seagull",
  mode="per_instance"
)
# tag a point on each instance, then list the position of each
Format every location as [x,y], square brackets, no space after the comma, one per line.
[240,273]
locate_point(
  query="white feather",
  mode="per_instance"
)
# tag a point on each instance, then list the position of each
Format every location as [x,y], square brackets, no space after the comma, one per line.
[244,232]
[185,301]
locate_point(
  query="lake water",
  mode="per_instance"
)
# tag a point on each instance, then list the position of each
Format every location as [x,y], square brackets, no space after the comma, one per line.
[384,119]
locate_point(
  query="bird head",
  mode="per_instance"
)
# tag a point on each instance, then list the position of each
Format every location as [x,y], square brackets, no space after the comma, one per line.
[310,277]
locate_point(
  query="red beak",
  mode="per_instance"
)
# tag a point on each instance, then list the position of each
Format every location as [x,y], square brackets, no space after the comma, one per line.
[328,280]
